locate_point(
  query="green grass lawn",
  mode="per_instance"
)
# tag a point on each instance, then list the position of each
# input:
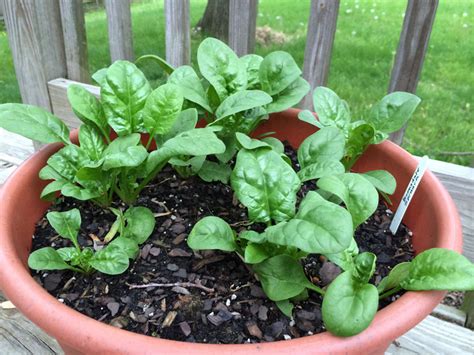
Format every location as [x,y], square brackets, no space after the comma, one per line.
[366,41]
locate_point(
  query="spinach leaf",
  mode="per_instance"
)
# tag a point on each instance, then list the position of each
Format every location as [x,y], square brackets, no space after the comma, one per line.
[392,112]
[440,269]
[289,96]
[167,67]
[252,64]
[308,117]
[364,267]
[162,107]
[359,195]
[256,253]
[320,169]
[185,121]
[242,101]
[124,151]
[33,123]
[123,95]
[91,142]
[48,259]
[331,110]
[190,85]
[110,260]
[277,71]
[87,107]
[212,233]
[140,224]
[221,67]
[249,143]
[382,180]
[282,277]
[265,184]
[211,171]
[326,144]
[286,307]
[319,227]
[128,245]
[66,223]
[348,305]
[398,274]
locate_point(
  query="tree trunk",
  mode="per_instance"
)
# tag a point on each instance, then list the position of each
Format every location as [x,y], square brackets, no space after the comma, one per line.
[215,21]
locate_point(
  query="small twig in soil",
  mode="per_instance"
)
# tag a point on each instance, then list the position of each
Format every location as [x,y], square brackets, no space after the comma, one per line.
[162,214]
[241,223]
[176,284]
[234,289]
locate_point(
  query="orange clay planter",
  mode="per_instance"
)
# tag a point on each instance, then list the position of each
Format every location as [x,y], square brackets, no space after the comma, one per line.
[431,216]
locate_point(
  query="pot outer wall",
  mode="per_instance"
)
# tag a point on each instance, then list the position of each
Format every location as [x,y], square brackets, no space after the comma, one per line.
[431,216]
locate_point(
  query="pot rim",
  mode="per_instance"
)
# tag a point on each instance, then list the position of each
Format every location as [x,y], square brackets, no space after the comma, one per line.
[78,331]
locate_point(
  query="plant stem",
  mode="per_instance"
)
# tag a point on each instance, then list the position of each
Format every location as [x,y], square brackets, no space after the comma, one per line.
[390,292]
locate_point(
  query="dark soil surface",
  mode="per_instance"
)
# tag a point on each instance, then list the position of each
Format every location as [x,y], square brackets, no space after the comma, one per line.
[237,311]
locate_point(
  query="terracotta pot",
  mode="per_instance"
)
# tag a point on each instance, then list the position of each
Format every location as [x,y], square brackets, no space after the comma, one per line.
[431,216]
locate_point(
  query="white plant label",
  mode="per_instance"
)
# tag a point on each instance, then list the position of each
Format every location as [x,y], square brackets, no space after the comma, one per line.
[409,192]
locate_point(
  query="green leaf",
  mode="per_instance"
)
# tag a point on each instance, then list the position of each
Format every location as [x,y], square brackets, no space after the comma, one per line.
[194,164]
[34,123]
[211,171]
[331,110]
[286,307]
[282,277]
[308,117]
[277,71]
[91,142]
[195,142]
[252,64]
[162,107]
[359,195]
[94,180]
[440,269]
[249,143]
[221,67]
[99,76]
[69,253]
[66,224]
[185,121]
[256,253]
[325,144]
[345,258]
[382,180]
[124,152]
[167,67]
[48,173]
[78,192]
[289,96]
[128,245]
[364,267]
[140,224]
[275,143]
[398,274]
[86,106]
[212,233]
[252,236]
[110,260]
[123,95]
[190,85]
[319,227]
[49,191]
[359,138]
[320,169]
[47,259]
[393,111]
[265,184]
[67,161]
[349,306]
[241,101]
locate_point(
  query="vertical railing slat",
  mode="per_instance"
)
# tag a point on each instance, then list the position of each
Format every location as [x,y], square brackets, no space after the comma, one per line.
[319,43]
[177,29]
[414,39]
[75,41]
[242,25]
[50,37]
[22,30]
[119,21]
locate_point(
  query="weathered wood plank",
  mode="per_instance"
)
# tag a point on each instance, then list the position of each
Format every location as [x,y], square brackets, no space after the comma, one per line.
[177,29]
[19,336]
[50,38]
[468,307]
[242,25]
[75,41]
[450,314]
[414,38]
[119,21]
[459,181]
[434,336]
[319,42]
[60,103]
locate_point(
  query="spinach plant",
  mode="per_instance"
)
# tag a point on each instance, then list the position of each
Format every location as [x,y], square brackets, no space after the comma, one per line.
[100,167]
[234,93]
[110,256]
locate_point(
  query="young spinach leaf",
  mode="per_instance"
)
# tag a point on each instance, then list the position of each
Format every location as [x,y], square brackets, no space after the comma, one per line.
[212,233]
